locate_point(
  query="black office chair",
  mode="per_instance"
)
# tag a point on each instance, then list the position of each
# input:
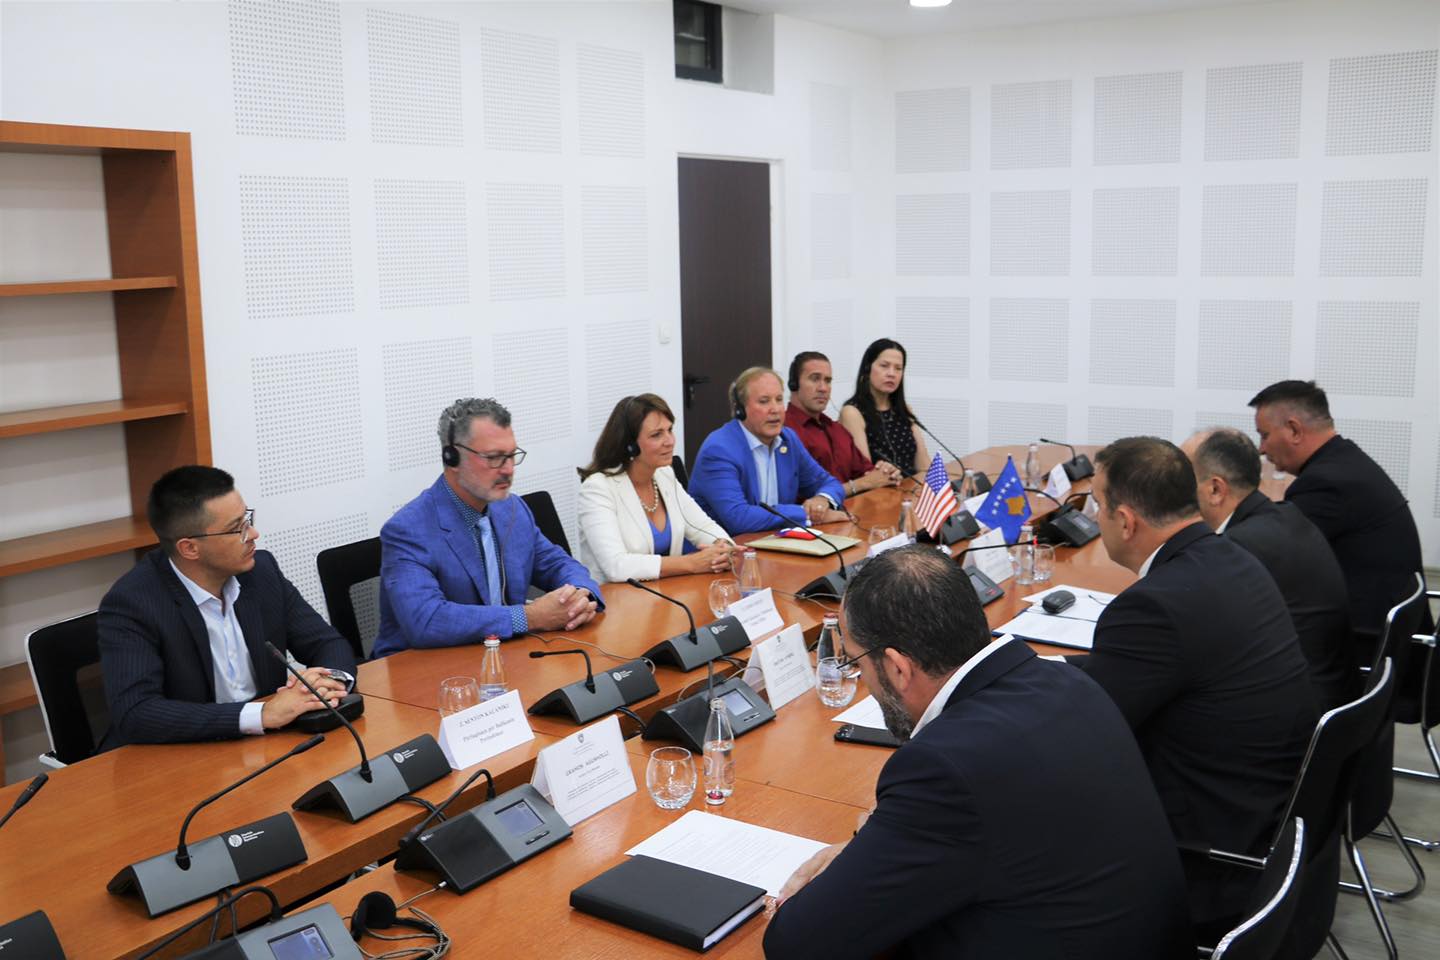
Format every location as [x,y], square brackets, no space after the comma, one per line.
[1277,895]
[64,661]
[548,519]
[1320,796]
[350,580]
[1428,664]
[677,463]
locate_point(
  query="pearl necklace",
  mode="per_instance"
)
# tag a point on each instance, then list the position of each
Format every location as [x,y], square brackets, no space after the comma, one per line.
[654,506]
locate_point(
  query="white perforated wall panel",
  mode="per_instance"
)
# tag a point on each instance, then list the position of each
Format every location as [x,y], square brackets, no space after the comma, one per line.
[421,379]
[421,242]
[526,228]
[947,417]
[286,69]
[308,431]
[614,229]
[932,235]
[1137,118]
[1244,422]
[1373,228]
[1248,230]
[1030,125]
[295,549]
[617,360]
[1108,424]
[563,485]
[527,366]
[520,91]
[1016,326]
[415,90]
[296,237]
[832,332]
[1136,232]
[932,130]
[1381,104]
[1132,342]
[1386,441]
[1030,233]
[936,335]
[1018,421]
[612,102]
[1367,348]
[1244,344]
[829,127]
[830,236]
[1253,112]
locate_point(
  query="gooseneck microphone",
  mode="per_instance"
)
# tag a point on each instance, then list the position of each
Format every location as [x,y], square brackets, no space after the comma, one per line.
[589,673]
[958,459]
[636,583]
[225,904]
[182,853]
[365,773]
[440,809]
[32,788]
[1078,467]
[1045,495]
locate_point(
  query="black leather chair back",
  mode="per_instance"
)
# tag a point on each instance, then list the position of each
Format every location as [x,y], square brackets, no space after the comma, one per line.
[64,663]
[1277,895]
[547,518]
[350,580]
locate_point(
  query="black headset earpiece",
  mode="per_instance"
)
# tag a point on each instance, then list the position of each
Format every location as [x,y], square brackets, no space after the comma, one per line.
[737,408]
[632,445]
[449,453]
[794,382]
[376,911]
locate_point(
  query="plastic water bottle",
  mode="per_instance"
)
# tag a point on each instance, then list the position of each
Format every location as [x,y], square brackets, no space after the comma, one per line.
[1022,556]
[829,643]
[1032,466]
[750,574]
[492,671]
[967,486]
[719,754]
[907,519]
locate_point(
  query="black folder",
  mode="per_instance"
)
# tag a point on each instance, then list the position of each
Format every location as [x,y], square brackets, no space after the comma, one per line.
[681,904]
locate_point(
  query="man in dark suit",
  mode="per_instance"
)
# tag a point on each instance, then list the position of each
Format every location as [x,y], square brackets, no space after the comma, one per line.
[1202,659]
[964,855]
[1227,469]
[1347,495]
[182,635]
[755,459]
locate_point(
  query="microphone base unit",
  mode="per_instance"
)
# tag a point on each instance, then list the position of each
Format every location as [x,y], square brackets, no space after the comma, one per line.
[721,638]
[404,769]
[832,585]
[237,856]
[485,841]
[685,720]
[1079,467]
[313,933]
[1067,527]
[617,687]
[958,526]
[982,484]
[32,936]
[351,707]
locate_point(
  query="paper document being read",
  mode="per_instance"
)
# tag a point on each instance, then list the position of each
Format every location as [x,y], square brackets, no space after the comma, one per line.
[1062,631]
[866,713]
[729,848]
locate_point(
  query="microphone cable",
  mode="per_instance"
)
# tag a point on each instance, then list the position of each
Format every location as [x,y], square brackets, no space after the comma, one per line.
[547,640]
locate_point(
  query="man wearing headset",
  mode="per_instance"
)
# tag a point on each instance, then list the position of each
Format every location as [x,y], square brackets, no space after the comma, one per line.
[755,459]
[828,442]
[457,561]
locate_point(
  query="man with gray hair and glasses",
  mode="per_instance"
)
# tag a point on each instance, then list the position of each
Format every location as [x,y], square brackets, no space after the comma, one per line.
[457,562]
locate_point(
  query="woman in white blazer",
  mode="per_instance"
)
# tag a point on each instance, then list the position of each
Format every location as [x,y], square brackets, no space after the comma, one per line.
[635,517]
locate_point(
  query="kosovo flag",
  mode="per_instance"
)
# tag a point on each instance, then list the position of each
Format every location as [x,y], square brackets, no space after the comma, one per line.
[1007,507]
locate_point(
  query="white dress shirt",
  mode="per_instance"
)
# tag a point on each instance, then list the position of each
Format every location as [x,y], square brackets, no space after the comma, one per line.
[943,694]
[234,675]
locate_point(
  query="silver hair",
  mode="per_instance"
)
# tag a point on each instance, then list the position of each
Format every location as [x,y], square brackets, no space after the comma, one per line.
[458,415]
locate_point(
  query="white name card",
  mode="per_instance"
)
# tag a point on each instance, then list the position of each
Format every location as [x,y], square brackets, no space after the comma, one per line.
[586,772]
[995,564]
[785,665]
[899,540]
[1059,483]
[757,614]
[475,735]
[973,504]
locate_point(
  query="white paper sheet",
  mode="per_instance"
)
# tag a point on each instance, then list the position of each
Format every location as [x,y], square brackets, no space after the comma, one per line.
[730,848]
[757,614]
[1059,483]
[1062,631]
[995,564]
[1089,604]
[866,713]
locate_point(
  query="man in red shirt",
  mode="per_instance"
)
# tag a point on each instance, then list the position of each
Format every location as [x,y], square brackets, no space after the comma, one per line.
[829,443]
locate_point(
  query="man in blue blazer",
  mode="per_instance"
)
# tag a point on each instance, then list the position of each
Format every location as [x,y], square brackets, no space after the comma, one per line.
[457,562]
[756,459]
[182,635]
[965,855]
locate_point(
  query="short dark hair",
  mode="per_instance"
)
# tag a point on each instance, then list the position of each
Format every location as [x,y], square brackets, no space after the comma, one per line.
[798,364]
[622,429]
[1304,396]
[1151,476]
[176,505]
[919,602]
[1231,455]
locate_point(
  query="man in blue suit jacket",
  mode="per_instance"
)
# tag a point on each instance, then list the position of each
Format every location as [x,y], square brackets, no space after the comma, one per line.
[182,635]
[964,855]
[756,459]
[457,561]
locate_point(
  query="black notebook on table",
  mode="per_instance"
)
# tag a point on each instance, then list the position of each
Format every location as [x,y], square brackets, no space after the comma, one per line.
[681,904]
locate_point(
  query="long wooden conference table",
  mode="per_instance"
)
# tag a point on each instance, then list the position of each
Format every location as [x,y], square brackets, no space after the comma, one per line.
[97,816]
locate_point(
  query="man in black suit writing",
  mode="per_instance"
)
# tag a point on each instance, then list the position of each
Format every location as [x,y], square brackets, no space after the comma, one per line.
[1347,495]
[1017,820]
[1227,469]
[1201,658]
[182,635]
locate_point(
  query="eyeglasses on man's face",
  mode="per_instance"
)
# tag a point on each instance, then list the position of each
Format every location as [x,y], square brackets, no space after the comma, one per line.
[496,460]
[848,663]
[246,523]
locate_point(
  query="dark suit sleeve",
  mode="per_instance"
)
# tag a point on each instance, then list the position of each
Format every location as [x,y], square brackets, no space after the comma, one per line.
[815,479]
[918,858]
[313,641]
[133,667]
[1136,656]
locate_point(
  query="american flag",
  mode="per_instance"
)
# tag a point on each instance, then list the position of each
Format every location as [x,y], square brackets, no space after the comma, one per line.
[937,499]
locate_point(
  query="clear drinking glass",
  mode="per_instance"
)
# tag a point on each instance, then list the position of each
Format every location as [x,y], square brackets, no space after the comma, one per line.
[1044,562]
[670,777]
[723,592]
[834,684]
[881,534]
[458,693]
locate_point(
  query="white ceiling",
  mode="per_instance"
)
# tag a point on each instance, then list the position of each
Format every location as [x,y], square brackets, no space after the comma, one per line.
[896,18]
